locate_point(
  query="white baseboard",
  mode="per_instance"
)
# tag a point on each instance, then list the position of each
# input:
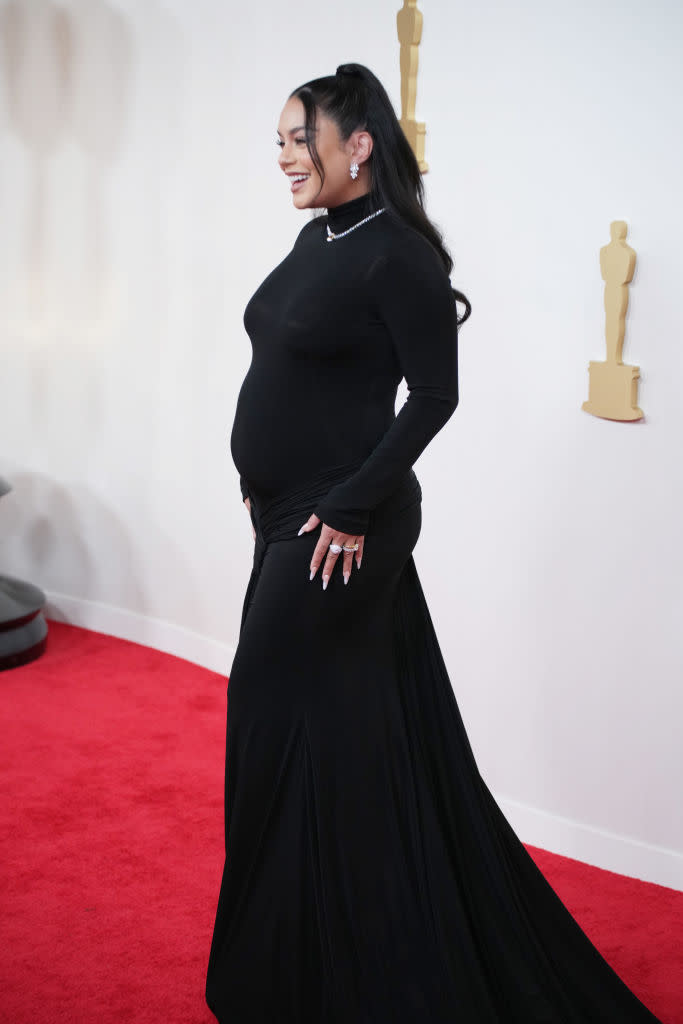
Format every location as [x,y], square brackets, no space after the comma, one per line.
[623,854]
[163,636]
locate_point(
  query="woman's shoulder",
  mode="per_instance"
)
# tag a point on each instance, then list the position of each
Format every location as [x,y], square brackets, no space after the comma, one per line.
[403,250]
[403,243]
[388,247]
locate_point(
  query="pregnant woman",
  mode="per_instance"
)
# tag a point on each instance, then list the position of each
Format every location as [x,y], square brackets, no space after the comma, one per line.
[370,877]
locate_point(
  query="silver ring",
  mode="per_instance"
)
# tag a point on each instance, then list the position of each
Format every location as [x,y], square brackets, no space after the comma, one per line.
[354,547]
[335,548]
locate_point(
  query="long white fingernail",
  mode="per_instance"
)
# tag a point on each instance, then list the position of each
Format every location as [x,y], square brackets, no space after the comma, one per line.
[301,530]
[325,579]
[312,574]
[346,577]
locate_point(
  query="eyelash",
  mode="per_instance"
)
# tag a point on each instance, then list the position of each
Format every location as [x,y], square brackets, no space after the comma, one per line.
[280,143]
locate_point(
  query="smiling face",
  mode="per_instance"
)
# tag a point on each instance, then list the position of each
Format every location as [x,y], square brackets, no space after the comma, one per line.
[336,157]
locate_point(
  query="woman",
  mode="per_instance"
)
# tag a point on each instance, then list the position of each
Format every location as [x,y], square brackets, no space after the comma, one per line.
[370,877]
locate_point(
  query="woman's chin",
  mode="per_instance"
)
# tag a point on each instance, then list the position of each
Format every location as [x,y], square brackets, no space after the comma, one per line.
[306,198]
[302,200]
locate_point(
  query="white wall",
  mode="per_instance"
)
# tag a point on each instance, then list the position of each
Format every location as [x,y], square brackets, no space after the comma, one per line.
[140,207]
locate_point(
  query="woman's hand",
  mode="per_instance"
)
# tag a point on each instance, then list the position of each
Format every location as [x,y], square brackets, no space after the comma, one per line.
[322,549]
[247,502]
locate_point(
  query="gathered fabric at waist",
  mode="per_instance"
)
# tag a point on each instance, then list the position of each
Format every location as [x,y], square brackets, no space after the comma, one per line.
[281,518]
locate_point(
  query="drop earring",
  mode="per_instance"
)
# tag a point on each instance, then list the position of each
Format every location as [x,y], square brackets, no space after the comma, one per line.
[354,170]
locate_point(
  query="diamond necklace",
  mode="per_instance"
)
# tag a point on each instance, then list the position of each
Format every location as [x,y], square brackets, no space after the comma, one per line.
[331,236]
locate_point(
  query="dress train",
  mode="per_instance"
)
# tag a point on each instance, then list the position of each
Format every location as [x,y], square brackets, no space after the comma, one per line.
[370,876]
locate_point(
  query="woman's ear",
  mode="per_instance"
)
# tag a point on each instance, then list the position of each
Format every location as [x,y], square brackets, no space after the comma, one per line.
[361,146]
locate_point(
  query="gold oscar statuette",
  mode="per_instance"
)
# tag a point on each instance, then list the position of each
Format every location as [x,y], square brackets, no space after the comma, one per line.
[613,384]
[409,24]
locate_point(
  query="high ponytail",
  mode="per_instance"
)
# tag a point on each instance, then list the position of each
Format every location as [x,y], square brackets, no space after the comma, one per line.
[355,98]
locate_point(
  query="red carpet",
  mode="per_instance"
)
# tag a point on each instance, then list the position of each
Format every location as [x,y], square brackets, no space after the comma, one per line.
[111,844]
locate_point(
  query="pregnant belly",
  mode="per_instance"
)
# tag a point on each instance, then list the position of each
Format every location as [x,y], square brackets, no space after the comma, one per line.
[262,445]
[282,438]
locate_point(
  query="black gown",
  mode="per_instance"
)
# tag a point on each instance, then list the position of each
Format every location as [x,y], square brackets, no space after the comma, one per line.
[370,876]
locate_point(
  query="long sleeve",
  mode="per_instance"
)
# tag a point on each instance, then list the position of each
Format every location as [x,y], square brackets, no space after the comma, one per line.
[415,301]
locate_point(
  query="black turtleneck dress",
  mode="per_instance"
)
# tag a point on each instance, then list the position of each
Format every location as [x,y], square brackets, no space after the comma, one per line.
[370,877]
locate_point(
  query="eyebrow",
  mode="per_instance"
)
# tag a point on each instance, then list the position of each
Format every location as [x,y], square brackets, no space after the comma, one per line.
[293,131]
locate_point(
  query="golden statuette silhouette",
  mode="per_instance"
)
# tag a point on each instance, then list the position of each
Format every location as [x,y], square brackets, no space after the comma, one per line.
[613,385]
[409,24]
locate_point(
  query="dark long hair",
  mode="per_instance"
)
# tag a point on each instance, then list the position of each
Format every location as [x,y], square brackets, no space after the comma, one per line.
[355,99]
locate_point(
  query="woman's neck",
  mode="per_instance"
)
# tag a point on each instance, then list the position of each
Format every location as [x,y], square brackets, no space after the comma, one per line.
[345,215]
